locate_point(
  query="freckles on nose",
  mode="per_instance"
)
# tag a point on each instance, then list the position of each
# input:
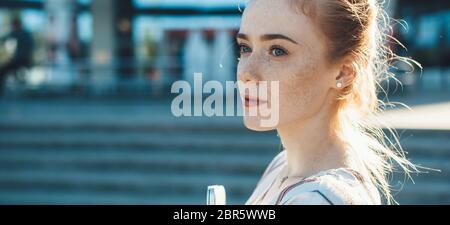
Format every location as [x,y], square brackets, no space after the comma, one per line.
[249,75]
[250,70]
[245,76]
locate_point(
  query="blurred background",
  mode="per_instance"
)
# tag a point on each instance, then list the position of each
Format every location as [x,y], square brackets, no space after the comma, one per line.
[85,112]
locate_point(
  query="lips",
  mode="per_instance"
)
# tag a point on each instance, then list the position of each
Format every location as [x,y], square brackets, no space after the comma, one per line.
[252,101]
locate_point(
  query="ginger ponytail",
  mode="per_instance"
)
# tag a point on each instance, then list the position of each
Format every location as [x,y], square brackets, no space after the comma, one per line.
[361,29]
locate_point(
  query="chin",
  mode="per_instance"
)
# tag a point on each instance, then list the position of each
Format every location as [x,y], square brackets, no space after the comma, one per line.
[254,123]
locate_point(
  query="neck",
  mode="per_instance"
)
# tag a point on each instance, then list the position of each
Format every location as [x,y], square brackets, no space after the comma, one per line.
[312,144]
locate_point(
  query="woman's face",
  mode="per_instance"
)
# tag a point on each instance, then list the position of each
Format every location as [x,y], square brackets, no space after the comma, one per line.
[279,44]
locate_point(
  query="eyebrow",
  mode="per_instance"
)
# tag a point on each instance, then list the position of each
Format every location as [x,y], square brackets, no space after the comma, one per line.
[267,37]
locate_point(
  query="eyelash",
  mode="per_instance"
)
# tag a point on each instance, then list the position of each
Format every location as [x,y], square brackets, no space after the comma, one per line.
[272,48]
[241,46]
[276,47]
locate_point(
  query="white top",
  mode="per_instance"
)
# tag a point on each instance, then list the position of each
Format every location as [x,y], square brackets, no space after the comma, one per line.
[331,187]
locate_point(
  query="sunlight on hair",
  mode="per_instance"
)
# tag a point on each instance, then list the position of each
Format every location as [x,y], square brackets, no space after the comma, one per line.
[375,143]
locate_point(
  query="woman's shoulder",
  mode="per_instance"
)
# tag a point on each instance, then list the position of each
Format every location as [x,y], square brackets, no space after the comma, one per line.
[268,175]
[341,186]
[331,187]
[278,159]
[276,162]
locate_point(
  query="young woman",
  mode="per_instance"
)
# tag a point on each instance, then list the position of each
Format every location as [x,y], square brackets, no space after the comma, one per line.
[328,57]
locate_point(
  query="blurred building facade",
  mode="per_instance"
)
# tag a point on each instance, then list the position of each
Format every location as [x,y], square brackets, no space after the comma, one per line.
[424,28]
[104,46]
[95,46]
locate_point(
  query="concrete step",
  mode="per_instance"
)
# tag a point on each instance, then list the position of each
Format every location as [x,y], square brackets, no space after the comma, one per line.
[149,183]
[102,122]
[201,125]
[202,159]
[424,193]
[166,163]
[138,161]
[427,146]
[428,174]
[438,146]
[140,140]
[102,198]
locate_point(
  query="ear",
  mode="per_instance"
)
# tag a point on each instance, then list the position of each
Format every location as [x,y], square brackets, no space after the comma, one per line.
[345,76]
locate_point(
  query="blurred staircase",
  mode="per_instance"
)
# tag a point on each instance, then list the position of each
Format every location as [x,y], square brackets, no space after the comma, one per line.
[167,163]
[431,149]
[147,164]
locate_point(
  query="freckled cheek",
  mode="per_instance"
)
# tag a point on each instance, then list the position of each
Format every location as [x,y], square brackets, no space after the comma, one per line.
[299,89]
[295,95]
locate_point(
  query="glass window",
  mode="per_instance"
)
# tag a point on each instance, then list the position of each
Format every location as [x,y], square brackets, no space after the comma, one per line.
[429,31]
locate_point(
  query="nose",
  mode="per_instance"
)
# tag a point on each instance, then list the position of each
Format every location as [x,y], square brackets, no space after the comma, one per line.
[248,70]
[246,76]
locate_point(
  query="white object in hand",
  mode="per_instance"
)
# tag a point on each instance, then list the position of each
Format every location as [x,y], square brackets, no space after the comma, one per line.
[216,195]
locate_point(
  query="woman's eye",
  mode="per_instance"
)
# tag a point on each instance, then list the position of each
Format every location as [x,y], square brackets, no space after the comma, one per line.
[244,49]
[276,51]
